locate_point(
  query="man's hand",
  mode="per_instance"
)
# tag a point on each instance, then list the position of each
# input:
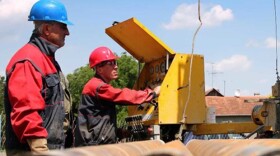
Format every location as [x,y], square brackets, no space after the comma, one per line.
[38,145]
[157,89]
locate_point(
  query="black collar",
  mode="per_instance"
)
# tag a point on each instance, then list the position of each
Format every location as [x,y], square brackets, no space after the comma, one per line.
[46,47]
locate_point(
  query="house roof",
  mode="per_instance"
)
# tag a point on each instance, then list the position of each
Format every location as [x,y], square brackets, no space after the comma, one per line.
[234,106]
[213,92]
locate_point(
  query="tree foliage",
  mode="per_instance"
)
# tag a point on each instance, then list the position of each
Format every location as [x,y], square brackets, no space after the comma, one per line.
[2,85]
[77,80]
[127,69]
[2,111]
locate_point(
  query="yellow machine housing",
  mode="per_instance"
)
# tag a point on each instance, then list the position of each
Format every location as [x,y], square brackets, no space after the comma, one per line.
[181,104]
[181,76]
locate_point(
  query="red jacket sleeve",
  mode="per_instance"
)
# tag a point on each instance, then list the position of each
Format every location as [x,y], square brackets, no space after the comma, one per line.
[24,88]
[124,96]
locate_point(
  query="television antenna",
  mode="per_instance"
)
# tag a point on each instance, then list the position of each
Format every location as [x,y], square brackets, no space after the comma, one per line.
[213,72]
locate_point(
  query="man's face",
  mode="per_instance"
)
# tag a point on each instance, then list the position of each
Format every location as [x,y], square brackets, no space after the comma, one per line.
[57,32]
[108,70]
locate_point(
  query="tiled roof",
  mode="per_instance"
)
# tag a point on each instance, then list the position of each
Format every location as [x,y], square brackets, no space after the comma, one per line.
[233,106]
[213,92]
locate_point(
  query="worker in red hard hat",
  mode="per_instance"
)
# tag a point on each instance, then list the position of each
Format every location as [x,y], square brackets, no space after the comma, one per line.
[37,99]
[96,122]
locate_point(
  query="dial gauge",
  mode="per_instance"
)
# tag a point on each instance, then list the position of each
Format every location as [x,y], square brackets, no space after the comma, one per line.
[162,67]
[157,68]
[151,70]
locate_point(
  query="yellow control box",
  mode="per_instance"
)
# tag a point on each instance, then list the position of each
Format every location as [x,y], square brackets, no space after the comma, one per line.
[181,76]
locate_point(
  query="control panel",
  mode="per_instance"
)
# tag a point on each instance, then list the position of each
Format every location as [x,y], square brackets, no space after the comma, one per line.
[180,75]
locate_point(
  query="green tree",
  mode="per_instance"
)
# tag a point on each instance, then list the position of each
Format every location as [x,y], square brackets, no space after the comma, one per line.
[2,111]
[128,68]
[77,80]
[2,85]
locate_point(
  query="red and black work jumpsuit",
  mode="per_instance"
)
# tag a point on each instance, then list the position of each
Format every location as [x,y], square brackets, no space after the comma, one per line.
[97,111]
[34,97]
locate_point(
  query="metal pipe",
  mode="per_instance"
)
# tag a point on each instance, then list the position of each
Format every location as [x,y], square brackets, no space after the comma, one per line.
[228,147]
[122,149]
[173,148]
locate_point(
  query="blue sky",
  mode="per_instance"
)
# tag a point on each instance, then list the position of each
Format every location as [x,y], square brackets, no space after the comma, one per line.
[237,38]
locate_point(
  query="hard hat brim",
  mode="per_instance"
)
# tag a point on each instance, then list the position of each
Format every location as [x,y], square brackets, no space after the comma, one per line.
[66,22]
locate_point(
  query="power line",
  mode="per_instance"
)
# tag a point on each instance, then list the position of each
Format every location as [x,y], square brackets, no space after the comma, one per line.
[275,18]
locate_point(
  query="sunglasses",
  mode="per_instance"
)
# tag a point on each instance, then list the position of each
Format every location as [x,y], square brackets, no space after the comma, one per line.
[111,63]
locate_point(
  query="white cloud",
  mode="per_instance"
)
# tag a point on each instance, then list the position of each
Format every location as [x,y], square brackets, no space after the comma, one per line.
[234,63]
[216,16]
[252,44]
[15,9]
[245,92]
[13,17]
[270,42]
[186,16]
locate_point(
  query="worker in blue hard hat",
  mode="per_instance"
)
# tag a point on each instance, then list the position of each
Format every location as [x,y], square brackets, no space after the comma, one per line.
[37,99]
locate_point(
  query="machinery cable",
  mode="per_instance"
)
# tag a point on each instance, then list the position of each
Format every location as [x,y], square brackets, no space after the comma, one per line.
[260,128]
[191,63]
[276,49]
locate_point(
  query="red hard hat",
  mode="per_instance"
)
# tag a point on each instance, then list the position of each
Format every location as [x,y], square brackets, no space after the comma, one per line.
[99,55]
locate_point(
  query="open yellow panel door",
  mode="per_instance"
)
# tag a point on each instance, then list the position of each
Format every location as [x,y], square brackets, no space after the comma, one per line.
[136,39]
[181,77]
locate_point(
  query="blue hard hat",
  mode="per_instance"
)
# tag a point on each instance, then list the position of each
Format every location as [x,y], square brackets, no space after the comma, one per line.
[49,10]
